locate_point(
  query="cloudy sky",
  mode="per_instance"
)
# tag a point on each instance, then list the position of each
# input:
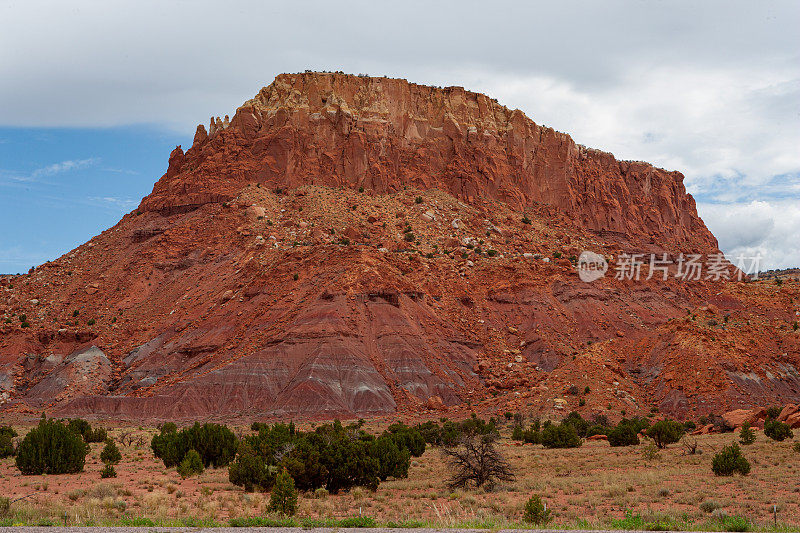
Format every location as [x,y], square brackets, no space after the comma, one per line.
[95,94]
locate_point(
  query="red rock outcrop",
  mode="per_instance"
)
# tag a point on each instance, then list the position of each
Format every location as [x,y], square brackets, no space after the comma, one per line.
[349,246]
[383,134]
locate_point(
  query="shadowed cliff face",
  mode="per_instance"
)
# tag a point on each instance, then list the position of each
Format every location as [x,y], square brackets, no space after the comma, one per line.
[348,246]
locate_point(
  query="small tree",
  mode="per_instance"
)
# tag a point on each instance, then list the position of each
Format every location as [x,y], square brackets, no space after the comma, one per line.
[563,435]
[476,460]
[773,412]
[393,460]
[108,471]
[665,432]
[777,430]
[95,435]
[7,435]
[51,448]
[730,461]
[110,454]
[531,436]
[623,435]
[251,470]
[536,512]
[191,464]
[215,443]
[747,435]
[283,498]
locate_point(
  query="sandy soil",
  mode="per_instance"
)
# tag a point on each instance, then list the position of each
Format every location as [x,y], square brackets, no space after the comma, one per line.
[588,486]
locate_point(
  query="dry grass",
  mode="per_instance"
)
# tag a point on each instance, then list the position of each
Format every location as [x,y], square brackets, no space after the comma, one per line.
[590,485]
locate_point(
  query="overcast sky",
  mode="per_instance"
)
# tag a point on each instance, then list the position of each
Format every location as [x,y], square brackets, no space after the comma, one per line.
[711,89]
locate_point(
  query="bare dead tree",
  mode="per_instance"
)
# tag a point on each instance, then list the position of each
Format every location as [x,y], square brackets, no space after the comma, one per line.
[690,446]
[126,438]
[476,460]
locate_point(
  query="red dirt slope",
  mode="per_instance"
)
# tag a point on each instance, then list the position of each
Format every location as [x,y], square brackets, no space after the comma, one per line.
[358,246]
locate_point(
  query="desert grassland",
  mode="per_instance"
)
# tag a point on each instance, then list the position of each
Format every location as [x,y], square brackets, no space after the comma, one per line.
[588,487]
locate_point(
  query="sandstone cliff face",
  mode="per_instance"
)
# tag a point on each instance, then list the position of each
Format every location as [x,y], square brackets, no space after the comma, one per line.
[384,134]
[260,280]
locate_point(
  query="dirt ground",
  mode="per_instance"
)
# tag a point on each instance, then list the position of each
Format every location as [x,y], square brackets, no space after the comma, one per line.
[585,487]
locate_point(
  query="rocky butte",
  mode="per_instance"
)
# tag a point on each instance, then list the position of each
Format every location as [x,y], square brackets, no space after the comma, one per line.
[356,246]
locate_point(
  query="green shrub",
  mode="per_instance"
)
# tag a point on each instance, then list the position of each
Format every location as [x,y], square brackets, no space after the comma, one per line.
[51,448]
[418,200]
[251,471]
[623,435]
[773,412]
[532,436]
[215,443]
[283,498]
[96,435]
[449,433]
[191,464]
[631,521]
[777,430]
[110,454]
[108,471]
[7,435]
[79,426]
[407,437]
[650,452]
[392,460]
[536,512]
[409,237]
[526,220]
[665,432]
[331,456]
[747,435]
[734,523]
[84,429]
[518,433]
[598,429]
[796,447]
[730,461]
[709,506]
[575,420]
[561,436]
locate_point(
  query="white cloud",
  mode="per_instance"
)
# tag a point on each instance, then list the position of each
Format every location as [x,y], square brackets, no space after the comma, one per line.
[63,166]
[124,204]
[766,228]
[710,88]
[679,118]
[15,177]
